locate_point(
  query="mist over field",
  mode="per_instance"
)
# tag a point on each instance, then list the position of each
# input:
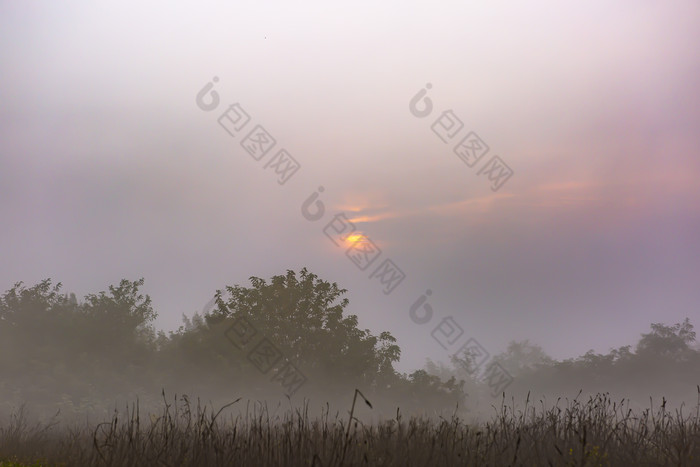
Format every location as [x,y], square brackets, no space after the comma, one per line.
[353,211]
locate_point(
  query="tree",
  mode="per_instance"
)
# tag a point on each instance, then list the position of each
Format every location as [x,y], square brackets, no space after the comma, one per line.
[37,326]
[667,341]
[522,356]
[53,348]
[304,317]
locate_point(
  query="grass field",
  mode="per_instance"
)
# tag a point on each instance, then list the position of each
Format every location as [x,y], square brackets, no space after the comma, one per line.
[596,432]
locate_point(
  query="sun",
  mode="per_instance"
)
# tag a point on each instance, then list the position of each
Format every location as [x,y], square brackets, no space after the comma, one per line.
[355,238]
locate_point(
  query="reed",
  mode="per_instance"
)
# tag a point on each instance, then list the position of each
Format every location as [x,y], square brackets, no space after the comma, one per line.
[596,432]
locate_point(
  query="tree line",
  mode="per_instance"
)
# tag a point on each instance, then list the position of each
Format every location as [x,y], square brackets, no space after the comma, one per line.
[288,336]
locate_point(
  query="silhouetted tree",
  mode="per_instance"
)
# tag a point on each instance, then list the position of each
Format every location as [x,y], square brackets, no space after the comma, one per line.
[668,341]
[52,347]
[521,357]
[304,316]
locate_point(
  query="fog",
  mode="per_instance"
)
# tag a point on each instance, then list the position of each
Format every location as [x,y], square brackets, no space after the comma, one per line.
[470,174]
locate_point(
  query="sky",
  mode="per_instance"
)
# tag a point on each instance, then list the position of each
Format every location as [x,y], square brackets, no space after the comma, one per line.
[114,162]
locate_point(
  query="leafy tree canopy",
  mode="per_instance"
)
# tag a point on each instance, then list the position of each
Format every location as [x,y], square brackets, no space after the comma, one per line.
[304,316]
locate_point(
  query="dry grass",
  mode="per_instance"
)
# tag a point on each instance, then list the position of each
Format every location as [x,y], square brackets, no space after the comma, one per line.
[596,432]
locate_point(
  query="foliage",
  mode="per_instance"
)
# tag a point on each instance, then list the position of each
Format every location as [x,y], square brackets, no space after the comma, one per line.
[58,352]
[62,353]
[668,341]
[304,316]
